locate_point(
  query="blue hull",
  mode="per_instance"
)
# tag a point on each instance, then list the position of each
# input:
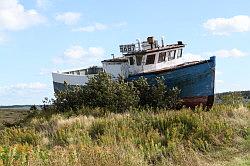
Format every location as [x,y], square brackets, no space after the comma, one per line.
[196,81]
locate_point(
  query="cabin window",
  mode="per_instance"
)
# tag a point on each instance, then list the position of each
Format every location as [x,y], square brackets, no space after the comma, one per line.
[168,56]
[172,55]
[138,60]
[131,61]
[179,53]
[162,57]
[150,59]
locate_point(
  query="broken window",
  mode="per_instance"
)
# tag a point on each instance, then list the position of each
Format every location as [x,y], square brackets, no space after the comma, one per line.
[172,55]
[162,57]
[150,59]
[131,61]
[179,53]
[138,60]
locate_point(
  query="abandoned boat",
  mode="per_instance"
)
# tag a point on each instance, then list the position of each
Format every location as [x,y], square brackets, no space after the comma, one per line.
[195,79]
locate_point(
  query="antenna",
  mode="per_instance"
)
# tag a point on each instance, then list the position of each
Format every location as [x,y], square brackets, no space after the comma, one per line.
[162,41]
[139,44]
[150,40]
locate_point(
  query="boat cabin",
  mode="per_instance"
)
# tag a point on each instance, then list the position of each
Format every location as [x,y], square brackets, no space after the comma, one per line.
[146,57]
[87,71]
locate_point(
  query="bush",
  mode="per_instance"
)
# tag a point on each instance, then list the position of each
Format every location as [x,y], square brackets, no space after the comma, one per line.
[97,129]
[117,96]
[33,107]
[102,91]
[71,98]
[234,99]
[10,136]
[248,105]
[157,95]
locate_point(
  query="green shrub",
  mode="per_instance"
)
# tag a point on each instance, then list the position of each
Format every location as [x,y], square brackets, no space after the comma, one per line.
[10,136]
[248,105]
[234,99]
[97,129]
[102,91]
[72,98]
[157,95]
[117,96]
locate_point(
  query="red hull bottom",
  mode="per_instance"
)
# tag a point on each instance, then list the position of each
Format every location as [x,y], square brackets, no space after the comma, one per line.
[205,101]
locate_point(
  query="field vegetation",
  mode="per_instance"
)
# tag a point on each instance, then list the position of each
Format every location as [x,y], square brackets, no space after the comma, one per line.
[119,123]
[9,117]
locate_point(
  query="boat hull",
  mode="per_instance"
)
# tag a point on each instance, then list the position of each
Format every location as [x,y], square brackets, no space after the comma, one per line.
[196,81]
[59,80]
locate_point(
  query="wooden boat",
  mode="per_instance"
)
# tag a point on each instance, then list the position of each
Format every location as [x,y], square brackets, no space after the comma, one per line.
[148,59]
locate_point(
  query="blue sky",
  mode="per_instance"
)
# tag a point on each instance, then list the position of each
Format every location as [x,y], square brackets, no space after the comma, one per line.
[40,36]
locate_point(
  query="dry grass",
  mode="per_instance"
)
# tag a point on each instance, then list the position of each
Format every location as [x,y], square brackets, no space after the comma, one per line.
[186,137]
[9,116]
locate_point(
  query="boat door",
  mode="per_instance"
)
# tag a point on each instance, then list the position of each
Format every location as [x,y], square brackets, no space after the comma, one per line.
[139,63]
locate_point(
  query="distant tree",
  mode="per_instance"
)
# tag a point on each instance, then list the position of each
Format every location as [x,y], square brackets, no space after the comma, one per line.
[46,103]
[232,98]
[33,107]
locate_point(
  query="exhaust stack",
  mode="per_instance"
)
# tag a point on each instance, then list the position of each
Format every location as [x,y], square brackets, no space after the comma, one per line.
[162,41]
[139,44]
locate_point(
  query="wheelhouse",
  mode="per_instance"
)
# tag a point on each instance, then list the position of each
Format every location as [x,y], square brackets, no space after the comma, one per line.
[144,57]
[150,56]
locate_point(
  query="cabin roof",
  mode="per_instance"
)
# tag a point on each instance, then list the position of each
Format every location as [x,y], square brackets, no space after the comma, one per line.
[115,60]
[165,69]
[80,69]
[167,47]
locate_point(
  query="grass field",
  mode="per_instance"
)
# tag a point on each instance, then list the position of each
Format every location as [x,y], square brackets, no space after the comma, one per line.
[11,116]
[137,137]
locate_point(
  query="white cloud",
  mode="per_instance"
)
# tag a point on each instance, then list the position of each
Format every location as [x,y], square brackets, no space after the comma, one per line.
[68,18]
[57,60]
[96,51]
[43,4]
[189,57]
[218,73]
[77,55]
[46,71]
[75,52]
[14,17]
[120,24]
[99,27]
[35,86]
[229,86]
[219,81]
[228,53]
[32,86]
[23,93]
[3,38]
[226,26]
[91,28]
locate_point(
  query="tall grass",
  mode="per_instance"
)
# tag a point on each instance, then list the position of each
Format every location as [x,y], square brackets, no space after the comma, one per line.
[138,137]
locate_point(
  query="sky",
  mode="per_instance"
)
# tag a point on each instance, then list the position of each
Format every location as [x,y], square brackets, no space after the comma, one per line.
[41,36]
